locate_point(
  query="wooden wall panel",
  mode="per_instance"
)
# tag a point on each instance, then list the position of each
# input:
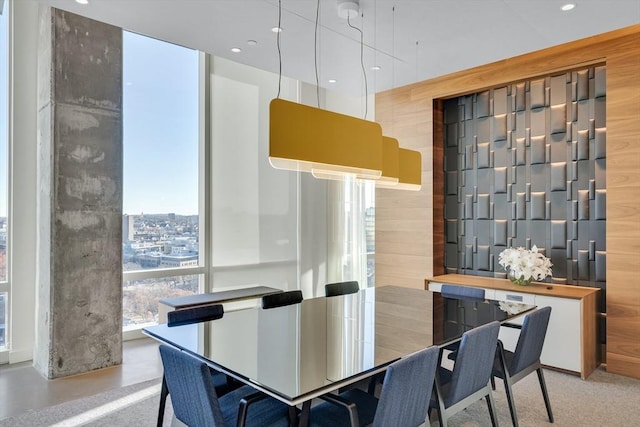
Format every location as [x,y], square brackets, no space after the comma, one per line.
[407,113]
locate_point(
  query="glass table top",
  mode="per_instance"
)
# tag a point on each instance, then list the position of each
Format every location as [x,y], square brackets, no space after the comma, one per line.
[324,342]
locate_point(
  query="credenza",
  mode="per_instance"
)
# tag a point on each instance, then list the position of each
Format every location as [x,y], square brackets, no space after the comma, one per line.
[571,343]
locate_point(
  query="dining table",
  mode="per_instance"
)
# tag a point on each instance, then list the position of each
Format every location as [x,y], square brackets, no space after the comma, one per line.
[302,351]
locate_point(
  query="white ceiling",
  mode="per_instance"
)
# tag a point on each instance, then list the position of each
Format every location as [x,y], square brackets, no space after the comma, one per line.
[418,40]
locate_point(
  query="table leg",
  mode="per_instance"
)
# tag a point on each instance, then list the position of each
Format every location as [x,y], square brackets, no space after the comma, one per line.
[304,415]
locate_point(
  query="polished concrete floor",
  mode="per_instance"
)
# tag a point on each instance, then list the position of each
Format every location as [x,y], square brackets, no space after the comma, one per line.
[22,388]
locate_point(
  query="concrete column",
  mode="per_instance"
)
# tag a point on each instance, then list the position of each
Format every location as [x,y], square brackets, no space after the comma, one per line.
[79,206]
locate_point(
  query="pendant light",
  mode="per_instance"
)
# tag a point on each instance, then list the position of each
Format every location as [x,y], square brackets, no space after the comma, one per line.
[309,139]
[390,163]
[325,143]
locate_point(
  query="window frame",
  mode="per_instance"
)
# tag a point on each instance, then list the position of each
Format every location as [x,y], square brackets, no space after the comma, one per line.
[5,285]
[203,268]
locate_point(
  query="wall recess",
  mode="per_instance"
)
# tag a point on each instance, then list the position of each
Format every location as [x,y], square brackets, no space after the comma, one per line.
[525,164]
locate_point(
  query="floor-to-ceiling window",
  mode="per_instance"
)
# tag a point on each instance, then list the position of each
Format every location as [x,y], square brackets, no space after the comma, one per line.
[4,171]
[352,221]
[162,222]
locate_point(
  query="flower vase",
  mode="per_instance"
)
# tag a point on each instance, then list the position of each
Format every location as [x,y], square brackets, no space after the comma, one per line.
[521,281]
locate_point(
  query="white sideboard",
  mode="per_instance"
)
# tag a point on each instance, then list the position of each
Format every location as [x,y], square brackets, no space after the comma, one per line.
[571,341]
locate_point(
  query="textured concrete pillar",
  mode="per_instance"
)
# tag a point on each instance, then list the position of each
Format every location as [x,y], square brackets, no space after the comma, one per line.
[79,266]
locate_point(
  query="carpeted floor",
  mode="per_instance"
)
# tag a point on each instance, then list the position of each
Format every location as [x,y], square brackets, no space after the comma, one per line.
[602,400]
[135,405]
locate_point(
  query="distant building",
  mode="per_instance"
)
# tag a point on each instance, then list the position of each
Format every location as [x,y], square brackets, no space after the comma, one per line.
[370,228]
[172,261]
[149,260]
[127,227]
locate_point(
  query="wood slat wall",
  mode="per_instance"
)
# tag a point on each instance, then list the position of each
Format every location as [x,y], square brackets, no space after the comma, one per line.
[409,225]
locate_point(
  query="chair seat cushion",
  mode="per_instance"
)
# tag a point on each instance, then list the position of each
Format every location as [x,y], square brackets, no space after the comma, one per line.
[444,376]
[266,412]
[220,383]
[332,414]
[497,366]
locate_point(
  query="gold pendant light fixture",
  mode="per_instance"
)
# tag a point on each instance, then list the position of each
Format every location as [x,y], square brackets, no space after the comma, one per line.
[308,139]
[330,145]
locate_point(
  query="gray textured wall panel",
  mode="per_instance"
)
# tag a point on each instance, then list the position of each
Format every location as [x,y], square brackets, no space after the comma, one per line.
[452,231]
[558,176]
[482,104]
[558,234]
[558,90]
[484,155]
[520,102]
[558,118]
[583,145]
[538,149]
[520,152]
[500,180]
[484,258]
[601,266]
[600,143]
[500,233]
[583,85]
[538,203]
[541,178]
[500,127]
[452,183]
[536,93]
[600,82]
[484,207]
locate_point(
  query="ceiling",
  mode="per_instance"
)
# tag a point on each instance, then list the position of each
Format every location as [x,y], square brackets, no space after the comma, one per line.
[411,40]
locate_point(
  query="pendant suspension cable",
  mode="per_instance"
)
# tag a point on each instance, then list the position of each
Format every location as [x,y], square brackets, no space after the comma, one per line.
[364,74]
[417,58]
[279,30]
[393,46]
[315,52]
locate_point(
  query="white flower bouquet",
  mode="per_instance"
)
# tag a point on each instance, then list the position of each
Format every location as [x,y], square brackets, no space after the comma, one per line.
[523,266]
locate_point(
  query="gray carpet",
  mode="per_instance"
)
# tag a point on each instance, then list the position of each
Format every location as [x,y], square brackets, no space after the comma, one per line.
[135,405]
[602,400]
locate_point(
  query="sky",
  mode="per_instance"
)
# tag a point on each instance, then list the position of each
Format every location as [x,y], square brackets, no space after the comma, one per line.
[160,82]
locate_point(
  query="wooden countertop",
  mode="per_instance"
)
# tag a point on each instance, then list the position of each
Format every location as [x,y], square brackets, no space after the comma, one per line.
[538,288]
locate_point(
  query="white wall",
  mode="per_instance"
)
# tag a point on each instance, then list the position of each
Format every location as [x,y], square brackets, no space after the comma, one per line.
[254,206]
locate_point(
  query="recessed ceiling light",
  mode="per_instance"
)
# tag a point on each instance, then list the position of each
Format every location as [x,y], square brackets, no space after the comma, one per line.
[252,42]
[236,50]
[276,30]
[332,80]
[82,1]
[567,7]
[376,68]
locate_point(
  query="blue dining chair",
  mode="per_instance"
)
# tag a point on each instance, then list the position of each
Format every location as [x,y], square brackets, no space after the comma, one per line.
[341,288]
[404,398]
[514,366]
[466,292]
[195,402]
[222,383]
[469,380]
[197,314]
[460,292]
[281,299]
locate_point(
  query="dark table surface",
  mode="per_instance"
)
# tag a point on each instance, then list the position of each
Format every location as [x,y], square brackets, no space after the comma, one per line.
[297,352]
